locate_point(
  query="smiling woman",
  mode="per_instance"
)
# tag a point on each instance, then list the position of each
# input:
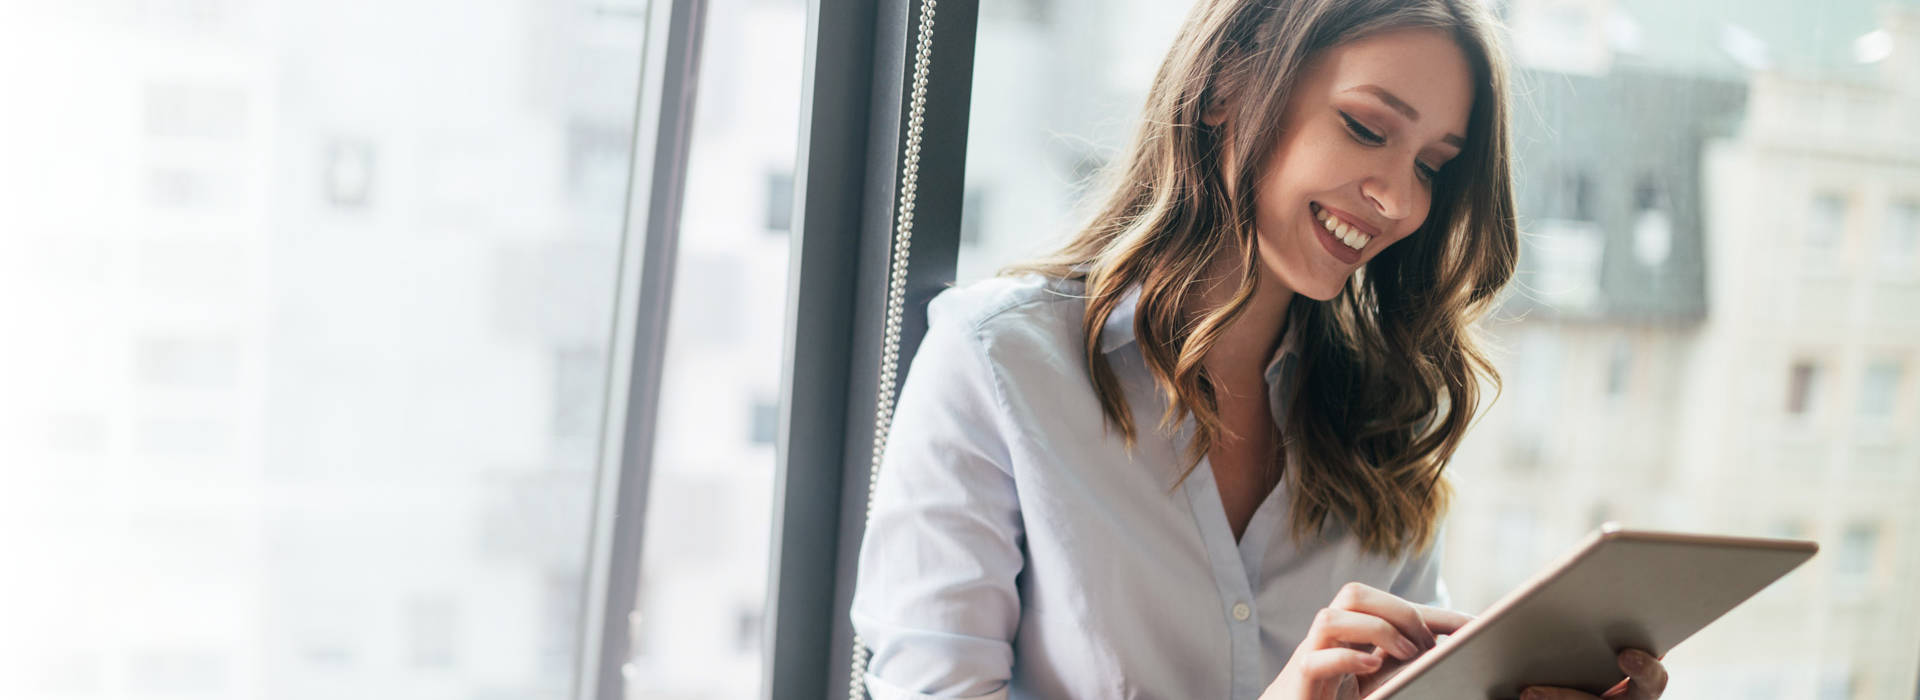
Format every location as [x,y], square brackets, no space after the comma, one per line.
[1360,155]
[1315,207]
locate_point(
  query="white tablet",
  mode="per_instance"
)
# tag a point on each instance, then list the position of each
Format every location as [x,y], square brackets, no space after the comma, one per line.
[1621,589]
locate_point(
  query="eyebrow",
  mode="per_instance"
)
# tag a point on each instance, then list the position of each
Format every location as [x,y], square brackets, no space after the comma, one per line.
[1406,110]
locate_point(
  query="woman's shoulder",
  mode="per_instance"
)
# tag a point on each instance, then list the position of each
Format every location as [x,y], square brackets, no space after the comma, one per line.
[996,306]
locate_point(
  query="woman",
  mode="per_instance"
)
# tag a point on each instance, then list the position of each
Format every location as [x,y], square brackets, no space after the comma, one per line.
[1316,207]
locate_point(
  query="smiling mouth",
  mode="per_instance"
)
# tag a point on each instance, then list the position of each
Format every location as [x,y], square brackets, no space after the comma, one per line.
[1347,235]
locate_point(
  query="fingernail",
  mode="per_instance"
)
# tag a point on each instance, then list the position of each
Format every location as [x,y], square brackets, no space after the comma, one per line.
[1407,650]
[1532,694]
[1635,662]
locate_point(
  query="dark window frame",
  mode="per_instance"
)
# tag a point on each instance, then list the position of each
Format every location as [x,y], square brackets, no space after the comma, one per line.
[855,109]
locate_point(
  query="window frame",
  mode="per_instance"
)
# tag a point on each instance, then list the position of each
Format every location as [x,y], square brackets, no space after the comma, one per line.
[848,179]
[649,243]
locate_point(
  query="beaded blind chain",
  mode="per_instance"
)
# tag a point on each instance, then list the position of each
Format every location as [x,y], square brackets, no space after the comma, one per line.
[896,293]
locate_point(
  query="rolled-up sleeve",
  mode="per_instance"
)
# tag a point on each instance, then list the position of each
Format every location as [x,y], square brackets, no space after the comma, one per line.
[935,599]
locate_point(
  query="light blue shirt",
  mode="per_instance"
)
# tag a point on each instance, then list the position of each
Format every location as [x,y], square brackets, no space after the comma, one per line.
[1017,551]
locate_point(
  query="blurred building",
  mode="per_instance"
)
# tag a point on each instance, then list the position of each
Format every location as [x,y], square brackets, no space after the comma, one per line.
[1803,391]
[1709,331]
[328,316]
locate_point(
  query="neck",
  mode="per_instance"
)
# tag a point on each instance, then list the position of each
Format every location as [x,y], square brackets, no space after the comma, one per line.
[1240,357]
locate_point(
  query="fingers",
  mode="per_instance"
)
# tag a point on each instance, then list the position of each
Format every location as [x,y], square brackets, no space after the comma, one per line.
[1648,676]
[1646,680]
[1333,627]
[1442,620]
[1541,692]
[1360,597]
[1550,693]
[1337,662]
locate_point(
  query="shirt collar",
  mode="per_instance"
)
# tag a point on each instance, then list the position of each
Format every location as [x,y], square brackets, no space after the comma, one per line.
[1118,332]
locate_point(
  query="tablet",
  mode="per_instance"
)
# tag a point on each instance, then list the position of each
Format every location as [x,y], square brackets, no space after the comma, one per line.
[1620,589]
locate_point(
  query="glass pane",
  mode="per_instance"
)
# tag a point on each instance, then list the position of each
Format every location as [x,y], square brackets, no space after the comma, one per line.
[1878,388]
[1902,238]
[308,305]
[710,507]
[1664,360]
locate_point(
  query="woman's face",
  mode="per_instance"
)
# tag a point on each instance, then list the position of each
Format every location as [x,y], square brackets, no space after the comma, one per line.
[1369,123]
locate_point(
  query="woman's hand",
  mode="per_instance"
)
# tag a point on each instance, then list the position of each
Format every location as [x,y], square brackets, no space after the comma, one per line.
[1363,630]
[1646,680]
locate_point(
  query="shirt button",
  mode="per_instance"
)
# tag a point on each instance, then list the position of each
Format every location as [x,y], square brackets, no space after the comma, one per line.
[1241,612]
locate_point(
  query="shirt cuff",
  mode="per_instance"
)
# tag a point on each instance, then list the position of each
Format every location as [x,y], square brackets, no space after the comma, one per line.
[881,690]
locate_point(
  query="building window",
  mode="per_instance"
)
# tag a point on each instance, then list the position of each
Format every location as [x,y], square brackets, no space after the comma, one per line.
[179,672]
[1575,195]
[1826,222]
[195,112]
[973,214]
[1802,381]
[1903,235]
[1878,389]
[1853,566]
[1652,225]
[578,371]
[432,630]
[764,424]
[206,361]
[348,173]
[1569,255]
[746,629]
[779,201]
[1836,684]
[1619,368]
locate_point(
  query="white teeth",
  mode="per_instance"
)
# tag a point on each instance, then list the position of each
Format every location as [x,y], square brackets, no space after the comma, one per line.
[1340,230]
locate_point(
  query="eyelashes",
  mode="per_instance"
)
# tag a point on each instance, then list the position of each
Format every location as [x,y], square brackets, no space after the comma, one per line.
[1360,131]
[1367,136]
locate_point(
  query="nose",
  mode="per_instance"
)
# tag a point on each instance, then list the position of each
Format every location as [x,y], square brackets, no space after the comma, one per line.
[1391,195]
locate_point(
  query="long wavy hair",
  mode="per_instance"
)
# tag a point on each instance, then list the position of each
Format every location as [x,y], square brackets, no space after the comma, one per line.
[1391,368]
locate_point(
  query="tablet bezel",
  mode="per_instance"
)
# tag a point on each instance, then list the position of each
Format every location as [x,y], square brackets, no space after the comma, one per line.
[1608,533]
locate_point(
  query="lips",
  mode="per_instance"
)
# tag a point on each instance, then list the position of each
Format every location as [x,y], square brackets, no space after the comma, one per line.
[1336,238]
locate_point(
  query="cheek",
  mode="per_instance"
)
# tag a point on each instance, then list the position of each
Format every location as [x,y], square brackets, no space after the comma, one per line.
[1423,210]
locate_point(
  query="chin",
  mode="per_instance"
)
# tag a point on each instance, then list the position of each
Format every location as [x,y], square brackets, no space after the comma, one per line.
[1318,293]
[1318,289]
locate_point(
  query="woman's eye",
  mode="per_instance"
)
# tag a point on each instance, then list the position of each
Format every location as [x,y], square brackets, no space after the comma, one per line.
[1360,131]
[1427,172]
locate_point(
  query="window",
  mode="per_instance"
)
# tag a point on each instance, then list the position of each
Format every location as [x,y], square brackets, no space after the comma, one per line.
[1652,225]
[1903,235]
[704,565]
[348,173]
[1879,388]
[1836,684]
[765,422]
[779,201]
[1803,383]
[1570,255]
[1854,563]
[304,427]
[1826,225]
[432,624]
[1619,367]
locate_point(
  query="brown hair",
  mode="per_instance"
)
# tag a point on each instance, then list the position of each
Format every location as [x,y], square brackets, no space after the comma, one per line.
[1390,367]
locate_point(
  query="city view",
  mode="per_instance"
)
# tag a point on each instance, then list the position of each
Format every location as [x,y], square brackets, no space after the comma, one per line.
[310,327]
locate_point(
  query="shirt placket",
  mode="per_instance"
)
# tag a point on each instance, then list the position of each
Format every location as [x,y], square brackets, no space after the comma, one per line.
[1229,580]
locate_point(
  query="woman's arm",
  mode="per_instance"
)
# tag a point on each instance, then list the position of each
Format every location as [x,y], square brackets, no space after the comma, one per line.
[935,600]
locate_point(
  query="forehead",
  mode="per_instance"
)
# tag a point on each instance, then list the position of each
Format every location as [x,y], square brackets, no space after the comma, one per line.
[1424,68]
